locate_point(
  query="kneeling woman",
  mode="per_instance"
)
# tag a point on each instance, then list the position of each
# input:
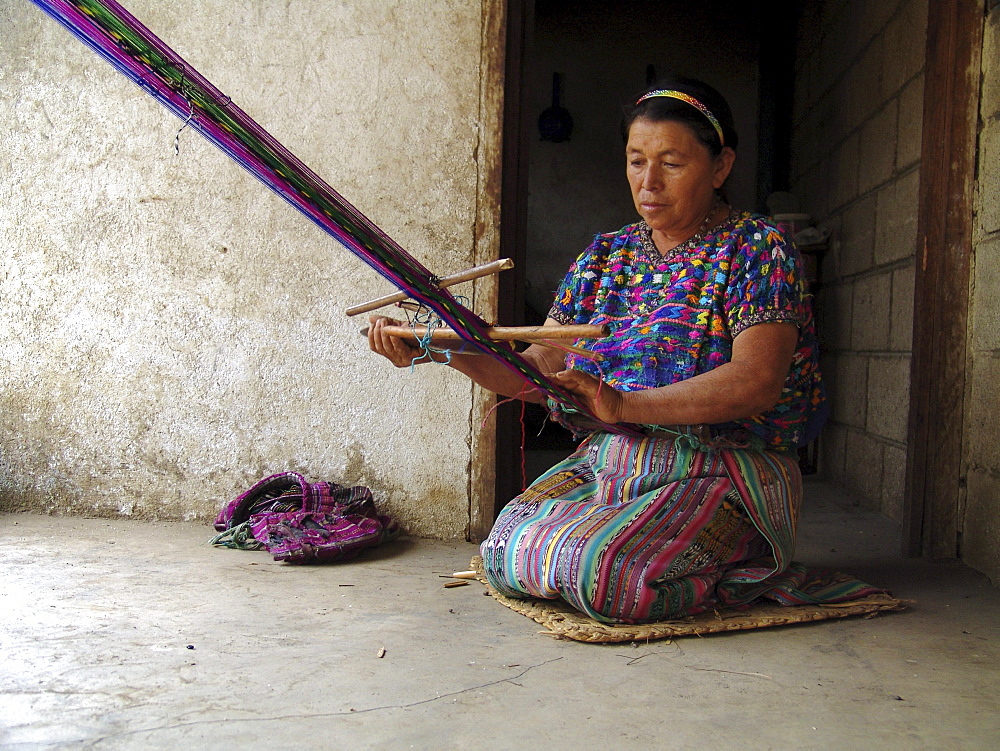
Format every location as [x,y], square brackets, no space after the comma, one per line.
[711,366]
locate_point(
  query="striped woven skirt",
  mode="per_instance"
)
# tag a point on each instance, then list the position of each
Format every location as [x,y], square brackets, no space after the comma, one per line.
[633,530]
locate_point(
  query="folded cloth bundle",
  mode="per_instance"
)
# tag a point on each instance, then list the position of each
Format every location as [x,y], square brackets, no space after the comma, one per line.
[302,522]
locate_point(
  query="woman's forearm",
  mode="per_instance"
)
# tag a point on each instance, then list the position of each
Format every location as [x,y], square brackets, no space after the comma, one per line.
[489,373]
[730,392]
[751,383]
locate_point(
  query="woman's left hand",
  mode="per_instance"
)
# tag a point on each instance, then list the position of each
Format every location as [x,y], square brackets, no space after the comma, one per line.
[604,402]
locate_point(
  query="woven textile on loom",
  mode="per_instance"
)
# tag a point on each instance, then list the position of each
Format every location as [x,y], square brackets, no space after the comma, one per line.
[122,40]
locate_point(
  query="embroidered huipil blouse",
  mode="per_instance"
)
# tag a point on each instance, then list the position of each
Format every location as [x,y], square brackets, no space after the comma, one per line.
[674,316]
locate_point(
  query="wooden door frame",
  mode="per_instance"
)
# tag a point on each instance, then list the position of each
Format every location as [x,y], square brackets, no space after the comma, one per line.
[513,230]
[934,471]
[934,466]
[497,450]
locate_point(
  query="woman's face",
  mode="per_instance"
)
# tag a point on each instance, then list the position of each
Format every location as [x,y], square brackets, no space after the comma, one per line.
[673,176]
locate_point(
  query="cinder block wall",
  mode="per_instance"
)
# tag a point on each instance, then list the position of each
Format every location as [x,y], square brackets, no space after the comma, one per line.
[858,104]
[981,523]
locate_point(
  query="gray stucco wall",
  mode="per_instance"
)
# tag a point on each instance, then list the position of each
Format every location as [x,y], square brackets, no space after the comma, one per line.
[172,331]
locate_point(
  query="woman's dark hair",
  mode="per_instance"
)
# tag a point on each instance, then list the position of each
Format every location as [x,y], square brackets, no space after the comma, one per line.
[662,108]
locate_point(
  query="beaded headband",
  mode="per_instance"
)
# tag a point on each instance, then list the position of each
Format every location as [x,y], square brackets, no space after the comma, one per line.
[690,100]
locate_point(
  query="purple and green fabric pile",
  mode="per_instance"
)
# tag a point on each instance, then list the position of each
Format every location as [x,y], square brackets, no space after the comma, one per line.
[303,522]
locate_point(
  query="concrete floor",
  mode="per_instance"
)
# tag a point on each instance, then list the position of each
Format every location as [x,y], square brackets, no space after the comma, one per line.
[141,636]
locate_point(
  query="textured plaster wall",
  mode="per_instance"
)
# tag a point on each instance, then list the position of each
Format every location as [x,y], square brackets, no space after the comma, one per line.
[981,528]
[856,167]
[578,187]
[172,331]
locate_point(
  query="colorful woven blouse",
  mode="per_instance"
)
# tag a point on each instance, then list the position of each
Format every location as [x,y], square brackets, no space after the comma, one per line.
[675,316]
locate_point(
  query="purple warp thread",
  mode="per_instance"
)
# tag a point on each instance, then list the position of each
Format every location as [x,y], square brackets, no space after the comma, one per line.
[121,39]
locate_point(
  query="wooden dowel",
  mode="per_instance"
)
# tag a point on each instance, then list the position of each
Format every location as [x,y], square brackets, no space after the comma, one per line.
[541,335]
[503,333]
[446,281]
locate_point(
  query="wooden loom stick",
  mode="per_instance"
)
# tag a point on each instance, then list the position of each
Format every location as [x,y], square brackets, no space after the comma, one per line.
[541,335]
[413,307]
[446,281]
[417,307]
[503,333]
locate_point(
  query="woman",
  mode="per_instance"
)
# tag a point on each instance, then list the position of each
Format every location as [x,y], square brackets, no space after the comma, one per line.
[711,357]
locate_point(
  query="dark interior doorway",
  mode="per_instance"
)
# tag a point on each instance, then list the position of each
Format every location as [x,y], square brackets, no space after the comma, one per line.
[585,59]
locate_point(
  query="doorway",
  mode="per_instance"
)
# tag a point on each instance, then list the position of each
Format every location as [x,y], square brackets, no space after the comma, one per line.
[584,60]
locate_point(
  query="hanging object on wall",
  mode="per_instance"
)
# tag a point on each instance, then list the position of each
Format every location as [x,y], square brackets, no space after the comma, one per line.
[122,40]
[555,124]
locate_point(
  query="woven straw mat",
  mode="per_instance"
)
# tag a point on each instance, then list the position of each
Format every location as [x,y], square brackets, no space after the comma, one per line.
[563,621]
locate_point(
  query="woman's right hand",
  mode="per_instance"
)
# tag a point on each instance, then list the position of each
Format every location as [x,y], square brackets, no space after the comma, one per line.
[393,348]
